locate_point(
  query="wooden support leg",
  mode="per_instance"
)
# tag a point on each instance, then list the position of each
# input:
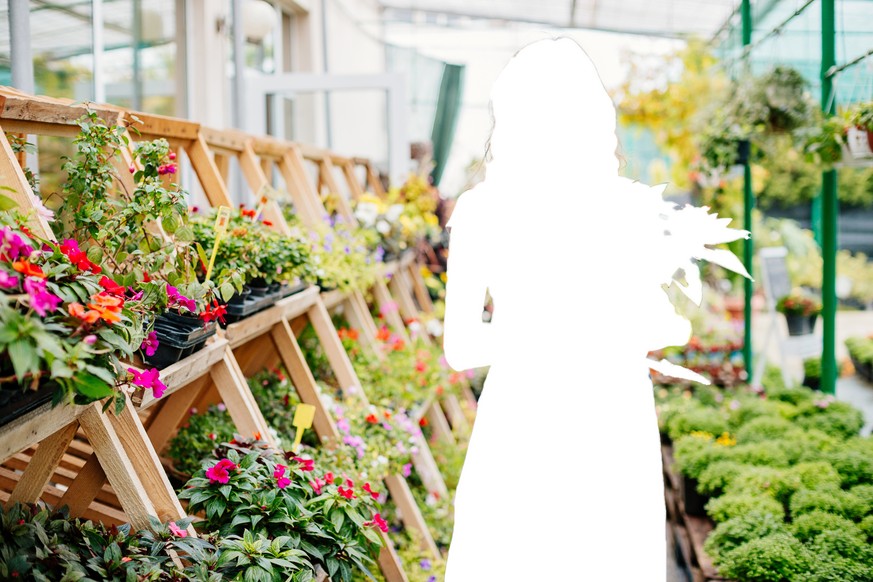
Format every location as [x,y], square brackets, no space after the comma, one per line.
[164,422]
[42,464]
[301,377]
[427,468]
[85,488]
[389,308]
[238,398]
[439,424]
[299,323]
[333,346]
[469,397]
[257,355]
[454,412]
[122,474]
[147,465]
[422,295]
[410,514]
[389,561]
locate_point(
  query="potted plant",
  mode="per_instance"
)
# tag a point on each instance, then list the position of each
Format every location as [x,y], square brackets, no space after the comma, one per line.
[801,312]
[860,133]
[812,373]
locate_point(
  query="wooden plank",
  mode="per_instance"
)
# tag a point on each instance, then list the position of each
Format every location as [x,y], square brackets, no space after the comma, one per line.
[147,465]
[222,164]
[258,181]
[237,396]
[42,465]
[326,175]
[427,468]
[438,423]
[65,474]
[120,471]
[17,187]
[389,561]
[419,288]
[164,422]
[348,168]
[304,382]
[410,514]
[260,323]
[389,308]
[455,414]
[469,397]
[333,347]
[307,205]
[208,174]
[35,426]
[85,487]
[151,126]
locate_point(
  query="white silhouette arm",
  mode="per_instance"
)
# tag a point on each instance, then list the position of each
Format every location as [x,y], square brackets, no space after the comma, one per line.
[467,340]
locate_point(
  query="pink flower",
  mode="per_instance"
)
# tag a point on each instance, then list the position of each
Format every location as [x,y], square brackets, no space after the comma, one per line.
[220,472]
[470,374]
[279,471]
[176,299]
[347,493]
[90,339]
[281,480]
[372,493]
[406,470]
[328,477]
[378,522]
[316,485]
[150,344]
[8,281]
[388,307]
[12,246]
[149,379]
[305,464]
[167,169]
[41,300]
[177,531]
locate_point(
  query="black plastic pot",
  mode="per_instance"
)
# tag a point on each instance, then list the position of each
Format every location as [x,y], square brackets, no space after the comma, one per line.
[15,402]
[812,382]
[259,287]
[243,308]
[800,324]
[694,502]
[287,290]
[179,336]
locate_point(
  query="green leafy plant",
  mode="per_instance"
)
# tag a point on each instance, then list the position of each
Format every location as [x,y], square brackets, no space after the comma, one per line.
[798,304]
[773,558]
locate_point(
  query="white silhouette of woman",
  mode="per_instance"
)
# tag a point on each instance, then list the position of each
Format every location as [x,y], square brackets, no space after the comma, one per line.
[562,479]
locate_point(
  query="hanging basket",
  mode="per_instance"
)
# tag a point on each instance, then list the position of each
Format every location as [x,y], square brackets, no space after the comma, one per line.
[800,324]
[858,149]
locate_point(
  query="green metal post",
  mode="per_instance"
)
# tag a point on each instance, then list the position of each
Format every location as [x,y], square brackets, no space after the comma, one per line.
[829,209]
[748,205]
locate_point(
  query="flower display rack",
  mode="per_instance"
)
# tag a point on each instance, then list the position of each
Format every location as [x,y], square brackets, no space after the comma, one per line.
[689,531]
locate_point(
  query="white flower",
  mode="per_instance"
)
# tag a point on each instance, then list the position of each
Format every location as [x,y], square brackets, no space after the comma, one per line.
[41,209]
[383,227]
[394,211]
[382,460]
[435,328]
[366,213]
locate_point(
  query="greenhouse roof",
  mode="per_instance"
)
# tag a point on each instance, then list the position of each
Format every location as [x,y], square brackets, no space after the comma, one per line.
[671,18]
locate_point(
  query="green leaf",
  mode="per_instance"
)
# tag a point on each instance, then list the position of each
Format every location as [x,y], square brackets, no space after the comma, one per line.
[91,386]
[7,203]
[337,518]
[24,358]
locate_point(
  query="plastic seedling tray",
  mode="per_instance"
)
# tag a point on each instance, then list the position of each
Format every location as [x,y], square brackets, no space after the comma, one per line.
[178,338]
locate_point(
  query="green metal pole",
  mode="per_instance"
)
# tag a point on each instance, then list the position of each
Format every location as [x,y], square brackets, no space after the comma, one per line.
[748,205]
[829,209]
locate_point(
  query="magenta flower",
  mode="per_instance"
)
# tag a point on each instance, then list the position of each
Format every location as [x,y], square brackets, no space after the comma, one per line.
[176,299]
[406,470]
[41,300]
[177,531]
[149,379]
[343,425]
[220,472]
[305,464]
[150,344]
[90,339]
[8,281]
[388,307]
[12,246]
[281,480]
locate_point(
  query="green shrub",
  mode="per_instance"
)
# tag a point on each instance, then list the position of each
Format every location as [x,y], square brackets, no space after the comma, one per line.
[750,408]
[740,529]
[865,494]
[847,543]
[807,445]
[774,558]
[715,478]
[834,501]
[763,428]
[806,527]
[854,466]
[839,419]
[766,453]
[697,418]
[816,475]
[837,569]
[774,482]
[736,504]
[866,526]
[692,454]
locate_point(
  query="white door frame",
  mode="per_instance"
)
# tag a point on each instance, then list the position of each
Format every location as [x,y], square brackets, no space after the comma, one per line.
[287,84]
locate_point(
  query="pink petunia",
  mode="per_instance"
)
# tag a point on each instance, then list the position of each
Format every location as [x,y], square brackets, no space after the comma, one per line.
[149,379]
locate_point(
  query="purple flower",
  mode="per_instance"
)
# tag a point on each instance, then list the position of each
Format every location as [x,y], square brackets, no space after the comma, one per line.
[41,300]
[8,281]
[406,470]
[431,579]
[386,426]
[348,250]
[734,404]
[380,253]
[150,344]
[425,564]
[221,407]
[343,425]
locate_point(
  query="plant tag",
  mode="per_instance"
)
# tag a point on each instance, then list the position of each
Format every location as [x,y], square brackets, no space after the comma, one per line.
[221,222]
[303,417]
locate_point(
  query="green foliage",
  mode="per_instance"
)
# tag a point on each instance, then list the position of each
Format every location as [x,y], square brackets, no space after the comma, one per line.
[809,525]
[838,419]
[735,504]
[196,440]
[774,558]
[763,428]
[738,530]
[834,501]
[718,476]
[697,418]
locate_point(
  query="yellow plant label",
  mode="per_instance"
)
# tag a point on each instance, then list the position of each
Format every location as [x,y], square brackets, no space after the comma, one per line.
[222,219]
[303,417]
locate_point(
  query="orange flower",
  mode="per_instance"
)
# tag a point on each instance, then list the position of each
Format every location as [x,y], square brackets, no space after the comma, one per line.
[383,334]
[27,269]
[398,345]
[239,231]
[77,310]
[107,306]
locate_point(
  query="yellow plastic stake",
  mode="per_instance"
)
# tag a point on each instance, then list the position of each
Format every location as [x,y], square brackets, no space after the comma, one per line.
[221,222]
[303,417]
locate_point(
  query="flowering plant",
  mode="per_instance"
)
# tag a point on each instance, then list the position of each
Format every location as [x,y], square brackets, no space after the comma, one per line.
[249,489]
[419,199]
[798,304]
[63,323]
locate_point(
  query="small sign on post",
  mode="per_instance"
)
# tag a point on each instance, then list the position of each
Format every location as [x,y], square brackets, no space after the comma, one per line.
[303,417]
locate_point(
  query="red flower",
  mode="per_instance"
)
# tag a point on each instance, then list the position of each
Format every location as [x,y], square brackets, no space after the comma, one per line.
[372,419]
[372,493]
[220,472]
[420,366]
[267,223]
[350,483]
[422,422]
[439,390]
[328,478]
[347,493]
[248,213]
[378,522]
[398,345]
[305,464]
[216,312]
[27,269]
[71,249]
[111,286]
